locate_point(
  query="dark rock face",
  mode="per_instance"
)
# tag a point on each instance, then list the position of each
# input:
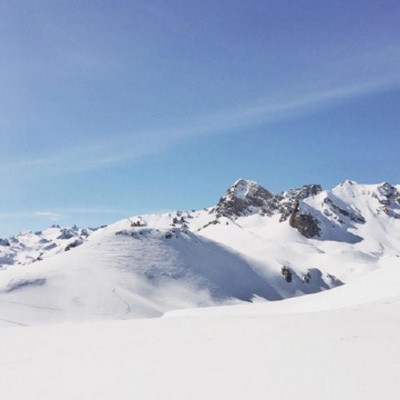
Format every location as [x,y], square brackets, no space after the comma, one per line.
[387,195]
[389,199]
[4,242]
[387,190]
[67,234]
[243,198]
[248,197]
[74,244]
[304,192]
[289,199]
[307,278]
[306,224]
[287,274]
[340,212]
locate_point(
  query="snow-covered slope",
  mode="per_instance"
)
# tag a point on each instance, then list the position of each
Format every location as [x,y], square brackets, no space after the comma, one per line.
[252,246]
[125,272]
[292,349]
[29,247]
[334,344]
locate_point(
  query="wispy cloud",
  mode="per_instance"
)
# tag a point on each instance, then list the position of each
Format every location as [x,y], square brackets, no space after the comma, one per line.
[93,210]
[143,143]
[52,216]
[57,214]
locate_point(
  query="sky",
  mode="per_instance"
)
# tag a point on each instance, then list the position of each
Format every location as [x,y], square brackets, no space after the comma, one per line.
[116,108]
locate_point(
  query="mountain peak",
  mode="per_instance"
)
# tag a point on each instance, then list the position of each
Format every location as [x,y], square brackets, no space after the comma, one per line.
[242,198]
[348,182]
[304,192]
[243,188]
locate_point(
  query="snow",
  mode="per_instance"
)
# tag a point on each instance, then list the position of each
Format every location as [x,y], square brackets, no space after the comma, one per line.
[125,272]
[29,247]
[182,305]
[243,187]
[252,351]
[147,265]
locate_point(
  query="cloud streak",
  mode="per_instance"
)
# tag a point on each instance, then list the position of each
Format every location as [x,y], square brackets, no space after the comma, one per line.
[52,216]
[57,214]
[140,144]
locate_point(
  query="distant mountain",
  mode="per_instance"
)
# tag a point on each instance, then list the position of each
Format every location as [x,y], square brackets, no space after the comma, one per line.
[29,247]
[253,245]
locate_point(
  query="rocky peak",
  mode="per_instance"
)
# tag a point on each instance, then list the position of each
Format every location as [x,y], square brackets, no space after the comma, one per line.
[348,182]
[387,190]
[389,199]
[290,199]
[242,198]
[247,197]
[305,223]
[304,192]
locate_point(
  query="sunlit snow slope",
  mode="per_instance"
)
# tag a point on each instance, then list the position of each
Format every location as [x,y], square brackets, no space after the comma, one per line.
[339,344]
[233,252]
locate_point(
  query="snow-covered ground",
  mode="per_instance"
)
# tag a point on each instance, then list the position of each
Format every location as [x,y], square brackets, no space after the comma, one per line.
[311,347]
[78,306]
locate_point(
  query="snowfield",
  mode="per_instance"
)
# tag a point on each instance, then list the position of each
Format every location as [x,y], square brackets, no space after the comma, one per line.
[280,350]
[229,302]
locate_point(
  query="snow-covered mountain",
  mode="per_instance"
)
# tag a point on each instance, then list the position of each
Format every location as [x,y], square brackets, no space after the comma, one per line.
[253,245]
[29,247]
[337,344]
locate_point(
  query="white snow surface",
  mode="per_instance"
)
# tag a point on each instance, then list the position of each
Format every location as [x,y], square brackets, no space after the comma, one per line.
[147,265]
[76,324]
[310,347]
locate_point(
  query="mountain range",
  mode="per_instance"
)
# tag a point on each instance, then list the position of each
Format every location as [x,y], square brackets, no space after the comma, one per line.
[252,246]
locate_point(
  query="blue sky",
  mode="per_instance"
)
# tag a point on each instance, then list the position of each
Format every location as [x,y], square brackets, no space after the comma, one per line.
[110,109]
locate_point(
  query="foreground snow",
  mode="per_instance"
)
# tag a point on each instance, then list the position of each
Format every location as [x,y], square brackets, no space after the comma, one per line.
[254,351]
[336,344]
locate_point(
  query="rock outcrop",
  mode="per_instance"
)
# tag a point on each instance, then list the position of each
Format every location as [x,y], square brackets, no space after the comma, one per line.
[4,242]
[243,198]
[248,197]
[306,224]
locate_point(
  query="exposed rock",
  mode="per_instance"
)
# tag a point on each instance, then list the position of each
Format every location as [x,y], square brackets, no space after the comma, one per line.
[248,197]
[85,232]
[287,274]
[137,224]
[4,242]
[74,244]
[67,234]
[336,210]
[390,213]
[287,200]
[213,222]
[50,247]
[304,192]
[387,190]
[243,198]
[306,224]
[387,195]
[307,277]
[126,232]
